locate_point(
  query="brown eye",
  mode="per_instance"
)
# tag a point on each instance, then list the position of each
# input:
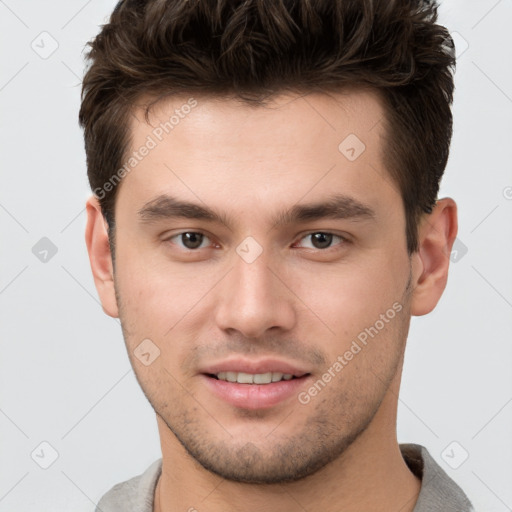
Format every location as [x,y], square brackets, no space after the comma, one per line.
[322,240]
[190,239]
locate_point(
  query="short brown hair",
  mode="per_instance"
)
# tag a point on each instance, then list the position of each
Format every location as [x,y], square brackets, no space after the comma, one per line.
[255,49]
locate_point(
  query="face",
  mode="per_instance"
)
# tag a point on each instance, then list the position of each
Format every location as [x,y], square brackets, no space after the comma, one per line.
[290,258]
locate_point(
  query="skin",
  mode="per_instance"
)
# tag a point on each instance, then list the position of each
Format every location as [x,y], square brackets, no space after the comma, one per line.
[297,301]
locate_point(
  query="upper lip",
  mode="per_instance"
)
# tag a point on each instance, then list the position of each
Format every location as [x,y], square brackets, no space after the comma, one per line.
[260,366]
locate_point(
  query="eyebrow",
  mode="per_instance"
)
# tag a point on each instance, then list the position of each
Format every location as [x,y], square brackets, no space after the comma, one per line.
[334,207]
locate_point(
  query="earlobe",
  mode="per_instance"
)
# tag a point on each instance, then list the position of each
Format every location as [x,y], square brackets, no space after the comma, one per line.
[100,258]
[436,236]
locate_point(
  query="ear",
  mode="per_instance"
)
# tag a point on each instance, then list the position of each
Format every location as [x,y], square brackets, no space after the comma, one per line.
[96,238]
[436,236]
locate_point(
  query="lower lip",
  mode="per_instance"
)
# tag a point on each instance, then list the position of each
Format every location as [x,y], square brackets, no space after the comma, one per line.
[254,396]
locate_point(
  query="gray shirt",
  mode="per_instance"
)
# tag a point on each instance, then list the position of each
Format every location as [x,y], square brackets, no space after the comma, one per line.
[439,493]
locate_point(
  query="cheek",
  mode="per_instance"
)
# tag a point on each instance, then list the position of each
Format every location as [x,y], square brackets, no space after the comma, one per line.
[159,300]
[142,306]
[350,298]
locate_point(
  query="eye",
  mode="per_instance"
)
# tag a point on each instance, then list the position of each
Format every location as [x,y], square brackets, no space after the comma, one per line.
[323,240]
[190,239]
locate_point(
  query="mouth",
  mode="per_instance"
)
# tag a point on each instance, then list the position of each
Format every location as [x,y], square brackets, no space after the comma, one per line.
[256,378]
[255,391]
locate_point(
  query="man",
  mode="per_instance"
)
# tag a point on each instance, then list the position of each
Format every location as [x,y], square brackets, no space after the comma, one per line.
[265,223]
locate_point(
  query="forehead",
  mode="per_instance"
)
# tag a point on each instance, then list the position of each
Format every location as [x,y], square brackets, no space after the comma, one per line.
[294,145]
[293,117]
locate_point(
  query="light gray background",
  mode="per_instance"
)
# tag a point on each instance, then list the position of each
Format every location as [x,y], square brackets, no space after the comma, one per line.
[65,377]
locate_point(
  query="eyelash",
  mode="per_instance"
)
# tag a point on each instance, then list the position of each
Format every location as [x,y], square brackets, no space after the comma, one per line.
[343,239]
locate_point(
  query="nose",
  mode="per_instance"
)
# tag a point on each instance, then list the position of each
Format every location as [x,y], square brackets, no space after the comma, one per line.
[254,298]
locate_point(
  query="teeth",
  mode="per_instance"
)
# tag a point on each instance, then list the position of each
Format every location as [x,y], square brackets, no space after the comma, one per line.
[261,378]
[231,376]
[249,378]
[244,378]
